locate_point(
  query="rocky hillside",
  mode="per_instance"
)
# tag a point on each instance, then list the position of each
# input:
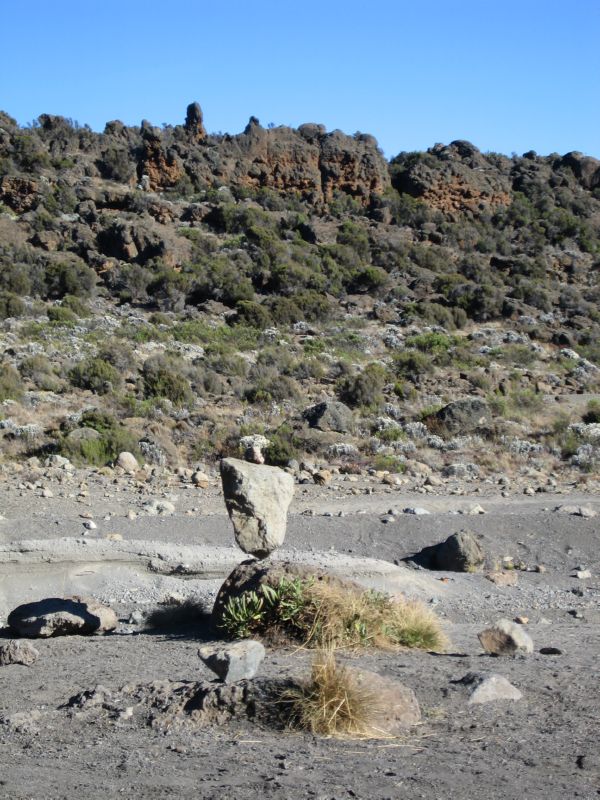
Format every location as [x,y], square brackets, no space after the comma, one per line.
[168,291]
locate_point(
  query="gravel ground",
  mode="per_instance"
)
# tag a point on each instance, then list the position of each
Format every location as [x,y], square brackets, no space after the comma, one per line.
[545,745]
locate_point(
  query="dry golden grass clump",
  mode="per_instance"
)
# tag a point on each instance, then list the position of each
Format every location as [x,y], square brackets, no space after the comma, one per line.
[318,613]
[333,702]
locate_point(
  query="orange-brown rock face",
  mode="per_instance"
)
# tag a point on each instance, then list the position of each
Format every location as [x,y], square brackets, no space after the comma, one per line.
[455,179]
[20,194]
[459,195]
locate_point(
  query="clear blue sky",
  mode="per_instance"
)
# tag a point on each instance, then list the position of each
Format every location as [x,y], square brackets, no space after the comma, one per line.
[509,76]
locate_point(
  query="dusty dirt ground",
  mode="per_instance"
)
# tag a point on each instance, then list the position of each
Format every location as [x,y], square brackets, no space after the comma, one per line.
[546,745]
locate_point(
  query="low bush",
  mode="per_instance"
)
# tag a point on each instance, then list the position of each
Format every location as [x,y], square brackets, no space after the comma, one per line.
[162,379]
[11,385]
[592,414]
[96,375]
[113,439]
[364,388]
[11,305]
[318,613]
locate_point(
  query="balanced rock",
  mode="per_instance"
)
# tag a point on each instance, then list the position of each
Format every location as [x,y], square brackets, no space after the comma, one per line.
[235,661]
[506,638]
[257,499]
[57,616]
[16,652]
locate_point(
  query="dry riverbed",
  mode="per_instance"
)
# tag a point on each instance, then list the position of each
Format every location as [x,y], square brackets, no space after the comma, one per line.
[544,745]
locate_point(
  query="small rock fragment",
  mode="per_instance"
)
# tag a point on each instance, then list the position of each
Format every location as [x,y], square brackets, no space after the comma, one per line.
[505,638]
[233,662]
[201,480]
[128,462]
[503,578]
[490,688]
[417,511]
[16,652]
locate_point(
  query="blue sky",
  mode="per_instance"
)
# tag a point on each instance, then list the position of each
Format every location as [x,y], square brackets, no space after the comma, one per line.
[508,76]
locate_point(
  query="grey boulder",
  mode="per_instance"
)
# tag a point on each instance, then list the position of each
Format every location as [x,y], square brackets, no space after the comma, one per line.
[460,552]
[330,415]
[57,616]
[257,499]
[233,662]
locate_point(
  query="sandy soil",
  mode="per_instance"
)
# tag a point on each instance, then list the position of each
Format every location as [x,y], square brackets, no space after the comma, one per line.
[545,745]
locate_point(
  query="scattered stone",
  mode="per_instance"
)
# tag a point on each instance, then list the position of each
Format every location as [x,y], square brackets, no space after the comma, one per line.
[201,480]
[577,511]
[114,537]
[233,662]
[16,652]
[155,507]
[257,499]
[464,416]
[529,491]
[322,477]
[583,574]
[253,447]
[489,688]
[503,578]
[392,479]
[57,616]
[330,415]
[90,525]
[505,638]
[473,510]
[522,620]
[417,511]
[128,462]
[460,552]
[550,651]
[387,518]
[47,493]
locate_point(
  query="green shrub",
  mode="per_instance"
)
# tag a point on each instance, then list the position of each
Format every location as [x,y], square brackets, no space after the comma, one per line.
[364,388]
[284,446]
[96,375]
[411,364]
[114,438]
[61,315]
[318,613]
[161,379]
[11,385]
[42,372]
[11,305]
[389,463]
[592,414]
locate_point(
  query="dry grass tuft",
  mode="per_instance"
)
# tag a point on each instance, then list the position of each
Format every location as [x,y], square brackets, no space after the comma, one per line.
[368,618]
[333,703]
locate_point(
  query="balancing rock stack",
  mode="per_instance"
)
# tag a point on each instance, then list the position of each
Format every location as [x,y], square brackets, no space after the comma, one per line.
[257,498]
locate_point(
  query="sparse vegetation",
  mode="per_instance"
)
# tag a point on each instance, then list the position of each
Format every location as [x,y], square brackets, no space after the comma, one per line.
[319,612]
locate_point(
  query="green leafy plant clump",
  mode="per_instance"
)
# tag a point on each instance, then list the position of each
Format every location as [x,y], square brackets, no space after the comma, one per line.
[319,613]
